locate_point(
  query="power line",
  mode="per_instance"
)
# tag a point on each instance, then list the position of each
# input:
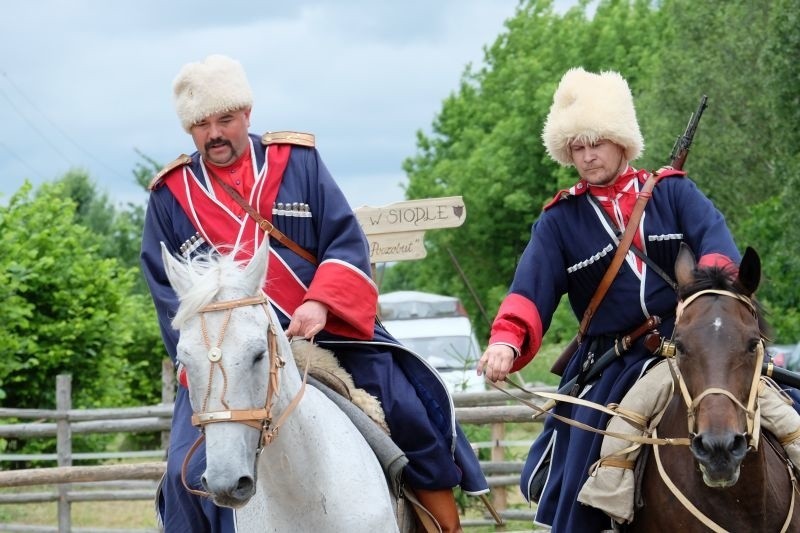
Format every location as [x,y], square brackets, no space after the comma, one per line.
[55,126]
[34,128]
[20,159]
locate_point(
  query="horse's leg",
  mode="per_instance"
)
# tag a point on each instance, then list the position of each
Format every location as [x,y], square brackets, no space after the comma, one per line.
[610,486]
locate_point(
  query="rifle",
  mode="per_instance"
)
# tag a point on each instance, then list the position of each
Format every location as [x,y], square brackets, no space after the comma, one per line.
[680,151]
[652,342]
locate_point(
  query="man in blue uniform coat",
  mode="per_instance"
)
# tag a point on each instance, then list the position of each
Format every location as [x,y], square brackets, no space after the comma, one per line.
[319,284]
[592,126]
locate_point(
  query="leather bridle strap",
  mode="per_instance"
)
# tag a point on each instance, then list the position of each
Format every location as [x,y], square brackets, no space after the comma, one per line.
[619,256]
[751,410]
[262,222]
[230,304]
[689,506]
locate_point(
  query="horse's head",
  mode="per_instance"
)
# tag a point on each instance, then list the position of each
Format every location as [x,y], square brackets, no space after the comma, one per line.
[225,348]
[719,351]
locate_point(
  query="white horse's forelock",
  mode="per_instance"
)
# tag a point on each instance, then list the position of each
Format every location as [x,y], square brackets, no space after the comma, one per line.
[208,273]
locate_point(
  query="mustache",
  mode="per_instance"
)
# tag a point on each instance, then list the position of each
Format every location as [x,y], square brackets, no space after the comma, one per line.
[213,143]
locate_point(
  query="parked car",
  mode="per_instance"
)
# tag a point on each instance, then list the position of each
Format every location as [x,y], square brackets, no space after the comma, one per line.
[437,328]
[792,359]
[779,353]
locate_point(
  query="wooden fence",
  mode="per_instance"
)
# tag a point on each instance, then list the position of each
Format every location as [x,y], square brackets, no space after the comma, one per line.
[137,481]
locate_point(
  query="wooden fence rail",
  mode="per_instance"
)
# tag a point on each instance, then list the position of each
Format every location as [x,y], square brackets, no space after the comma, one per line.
[485,408]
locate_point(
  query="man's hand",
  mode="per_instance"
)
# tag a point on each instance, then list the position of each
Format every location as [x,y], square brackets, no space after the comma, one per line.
[496,361]
[308,320]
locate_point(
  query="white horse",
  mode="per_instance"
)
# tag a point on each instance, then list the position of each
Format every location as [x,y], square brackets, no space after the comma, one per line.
[281,454]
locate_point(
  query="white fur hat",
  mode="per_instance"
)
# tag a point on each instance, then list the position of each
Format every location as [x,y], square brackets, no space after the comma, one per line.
[216,85]
[589,107]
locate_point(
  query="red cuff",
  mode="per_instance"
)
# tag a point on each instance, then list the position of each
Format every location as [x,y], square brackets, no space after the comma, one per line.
[518,324]
[719,261]
[350,296]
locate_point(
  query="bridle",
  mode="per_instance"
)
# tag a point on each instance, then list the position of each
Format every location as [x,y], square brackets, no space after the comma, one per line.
[751,409]
[259,418]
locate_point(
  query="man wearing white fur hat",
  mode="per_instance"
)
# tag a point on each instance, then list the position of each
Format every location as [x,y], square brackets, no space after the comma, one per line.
[319,283]
[592,126]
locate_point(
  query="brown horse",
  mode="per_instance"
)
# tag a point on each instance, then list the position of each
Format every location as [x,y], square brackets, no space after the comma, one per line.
[727,479]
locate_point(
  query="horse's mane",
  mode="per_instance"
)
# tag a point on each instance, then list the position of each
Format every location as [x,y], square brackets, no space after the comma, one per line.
[719,278]
[209,273]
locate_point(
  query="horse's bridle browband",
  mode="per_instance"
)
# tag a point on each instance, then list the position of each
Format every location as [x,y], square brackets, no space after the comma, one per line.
[260,418]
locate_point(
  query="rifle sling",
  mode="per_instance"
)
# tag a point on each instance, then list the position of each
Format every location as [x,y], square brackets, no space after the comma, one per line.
[637,252]
[262,222]
[619,256]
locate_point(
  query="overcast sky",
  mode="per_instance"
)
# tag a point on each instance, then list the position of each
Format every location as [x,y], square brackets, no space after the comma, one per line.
[85,83]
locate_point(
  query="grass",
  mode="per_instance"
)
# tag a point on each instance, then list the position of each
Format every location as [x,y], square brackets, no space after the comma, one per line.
[134,514]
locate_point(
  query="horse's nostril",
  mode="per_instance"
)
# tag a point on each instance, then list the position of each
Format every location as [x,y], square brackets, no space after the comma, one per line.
[245,485]
[739,445]
[698,446]
[204,482]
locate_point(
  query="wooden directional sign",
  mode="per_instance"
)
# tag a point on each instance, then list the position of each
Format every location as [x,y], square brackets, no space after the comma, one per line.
[402,246]
[395,232]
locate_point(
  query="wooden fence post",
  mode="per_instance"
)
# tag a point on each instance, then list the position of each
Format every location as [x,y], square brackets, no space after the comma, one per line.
[64,446]
[499,500]
[167,393]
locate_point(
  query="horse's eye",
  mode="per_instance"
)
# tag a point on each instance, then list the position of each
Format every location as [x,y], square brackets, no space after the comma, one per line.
[752,346]
[259,357]
[679,347]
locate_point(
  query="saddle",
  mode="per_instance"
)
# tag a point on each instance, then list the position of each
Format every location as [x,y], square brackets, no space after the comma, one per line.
[366,414]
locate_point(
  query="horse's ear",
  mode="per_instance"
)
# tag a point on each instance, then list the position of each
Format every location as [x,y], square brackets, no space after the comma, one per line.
[749,271]
[256,270]
[177,273]
[685,265]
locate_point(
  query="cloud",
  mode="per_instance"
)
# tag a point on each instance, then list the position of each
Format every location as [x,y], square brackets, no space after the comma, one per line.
[89,82]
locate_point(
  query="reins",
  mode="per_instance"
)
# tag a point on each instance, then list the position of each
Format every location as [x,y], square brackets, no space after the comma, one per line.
[751,409]
[668,350]
[260,418]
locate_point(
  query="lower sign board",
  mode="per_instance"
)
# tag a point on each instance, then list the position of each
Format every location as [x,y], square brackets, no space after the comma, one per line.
[402,246]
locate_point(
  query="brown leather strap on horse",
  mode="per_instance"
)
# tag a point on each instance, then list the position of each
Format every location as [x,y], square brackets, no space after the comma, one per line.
[619,256]
[262,222]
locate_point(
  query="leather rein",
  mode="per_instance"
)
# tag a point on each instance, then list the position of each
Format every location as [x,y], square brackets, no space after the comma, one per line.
[751,411]
[668,350]
[259,418]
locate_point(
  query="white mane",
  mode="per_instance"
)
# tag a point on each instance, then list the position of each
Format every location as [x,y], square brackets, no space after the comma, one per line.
[209,273]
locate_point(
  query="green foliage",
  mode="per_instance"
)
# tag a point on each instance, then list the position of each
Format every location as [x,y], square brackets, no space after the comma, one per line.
[117,231]
[485,142]
[68,309]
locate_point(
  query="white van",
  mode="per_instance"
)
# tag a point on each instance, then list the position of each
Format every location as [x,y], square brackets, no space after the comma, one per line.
[438,329]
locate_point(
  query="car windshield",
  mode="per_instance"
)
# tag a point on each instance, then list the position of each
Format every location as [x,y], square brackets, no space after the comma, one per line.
[456,352]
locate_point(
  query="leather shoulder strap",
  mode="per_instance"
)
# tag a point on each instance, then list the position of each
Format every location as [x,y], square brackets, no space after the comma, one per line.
[619,256]
[262,222]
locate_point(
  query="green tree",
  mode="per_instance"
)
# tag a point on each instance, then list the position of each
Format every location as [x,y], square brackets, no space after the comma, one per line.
[486,146]
[485,142]
[67,309]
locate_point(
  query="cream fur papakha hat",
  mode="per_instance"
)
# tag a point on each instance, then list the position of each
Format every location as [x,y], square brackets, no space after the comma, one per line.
[589,107]
[217,84]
